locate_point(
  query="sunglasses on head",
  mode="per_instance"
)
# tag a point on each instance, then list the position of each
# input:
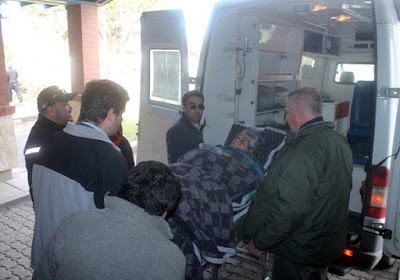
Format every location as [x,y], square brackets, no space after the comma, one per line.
[52,99]
[52,102]
[193,106]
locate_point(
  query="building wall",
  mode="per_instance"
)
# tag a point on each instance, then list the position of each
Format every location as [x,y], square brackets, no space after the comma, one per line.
[83,37]
[8,150]
[8,145]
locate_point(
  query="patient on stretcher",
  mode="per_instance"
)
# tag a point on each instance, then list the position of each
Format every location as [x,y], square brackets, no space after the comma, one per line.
[243,143]
[212,179]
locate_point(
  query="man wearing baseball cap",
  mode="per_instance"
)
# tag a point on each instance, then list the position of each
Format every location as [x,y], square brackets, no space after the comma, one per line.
[54,114]
[78,166]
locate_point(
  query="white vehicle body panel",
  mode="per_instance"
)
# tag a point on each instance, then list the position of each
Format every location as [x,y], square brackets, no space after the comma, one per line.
[388,76]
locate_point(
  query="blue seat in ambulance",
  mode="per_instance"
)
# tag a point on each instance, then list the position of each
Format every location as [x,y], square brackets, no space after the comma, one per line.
[360,132]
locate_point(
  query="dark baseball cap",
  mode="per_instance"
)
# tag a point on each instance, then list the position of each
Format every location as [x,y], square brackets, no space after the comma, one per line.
[50,95]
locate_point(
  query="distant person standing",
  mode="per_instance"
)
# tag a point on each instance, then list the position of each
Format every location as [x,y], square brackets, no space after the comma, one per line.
[187,133]
[54,114]
[12,79]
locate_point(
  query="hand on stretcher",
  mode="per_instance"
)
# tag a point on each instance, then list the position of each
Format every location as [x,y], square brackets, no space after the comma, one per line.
[253,250]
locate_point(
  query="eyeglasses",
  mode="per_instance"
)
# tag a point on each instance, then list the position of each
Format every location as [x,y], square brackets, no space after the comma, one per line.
[193,107]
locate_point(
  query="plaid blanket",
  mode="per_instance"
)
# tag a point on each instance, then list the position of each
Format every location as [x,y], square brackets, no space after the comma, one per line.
[204,215]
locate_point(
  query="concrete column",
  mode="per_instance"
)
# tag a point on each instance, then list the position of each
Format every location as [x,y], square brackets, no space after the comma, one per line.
[3,76]
[8,145]
[83,36]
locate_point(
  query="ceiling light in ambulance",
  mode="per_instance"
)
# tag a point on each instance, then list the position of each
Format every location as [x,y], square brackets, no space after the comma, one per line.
[341,17]
[319,8]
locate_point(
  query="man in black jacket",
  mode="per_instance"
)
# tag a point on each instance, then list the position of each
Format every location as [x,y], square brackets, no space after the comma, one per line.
[78,166]
[54,113]
[187,133]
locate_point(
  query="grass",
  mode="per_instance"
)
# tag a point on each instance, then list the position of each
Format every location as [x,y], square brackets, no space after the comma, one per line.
[26,96]
[129,129]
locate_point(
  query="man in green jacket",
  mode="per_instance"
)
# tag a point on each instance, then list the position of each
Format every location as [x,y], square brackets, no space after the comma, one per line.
[300,209]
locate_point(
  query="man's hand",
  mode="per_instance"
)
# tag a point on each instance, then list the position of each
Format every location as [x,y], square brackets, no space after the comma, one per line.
[253,250]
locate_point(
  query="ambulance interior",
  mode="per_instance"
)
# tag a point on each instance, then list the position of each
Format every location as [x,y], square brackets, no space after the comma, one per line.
[263,51]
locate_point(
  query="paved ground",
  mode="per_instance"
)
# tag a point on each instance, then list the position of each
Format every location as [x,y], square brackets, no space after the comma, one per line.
[16,214]
[17,219]
[16,226]
[16,230]
[246,267]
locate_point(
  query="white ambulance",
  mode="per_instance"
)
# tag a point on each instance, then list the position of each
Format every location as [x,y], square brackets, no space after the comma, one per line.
[254,53]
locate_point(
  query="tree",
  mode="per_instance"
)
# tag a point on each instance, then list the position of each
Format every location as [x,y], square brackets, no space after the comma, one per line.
[120,21]
[53,18]
[36,42]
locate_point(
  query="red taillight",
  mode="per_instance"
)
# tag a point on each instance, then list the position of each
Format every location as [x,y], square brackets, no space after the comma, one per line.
[376,212]
[380,176]
[348,252]
[380,181]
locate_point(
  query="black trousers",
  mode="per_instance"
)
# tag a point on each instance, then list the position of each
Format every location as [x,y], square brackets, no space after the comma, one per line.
[285,269]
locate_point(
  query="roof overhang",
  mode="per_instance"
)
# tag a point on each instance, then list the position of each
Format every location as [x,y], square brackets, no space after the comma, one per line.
[65,2]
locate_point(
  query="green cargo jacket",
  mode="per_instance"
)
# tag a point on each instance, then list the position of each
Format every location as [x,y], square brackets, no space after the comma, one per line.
[300,209]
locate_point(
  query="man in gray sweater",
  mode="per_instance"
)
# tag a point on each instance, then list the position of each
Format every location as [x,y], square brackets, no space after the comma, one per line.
[128,239]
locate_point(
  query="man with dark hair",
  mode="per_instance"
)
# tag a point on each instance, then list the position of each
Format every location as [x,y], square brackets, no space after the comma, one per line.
[129,239]
[78,166]
[187,133]
[153,187]
[101,99]
[54,114]
[299,212]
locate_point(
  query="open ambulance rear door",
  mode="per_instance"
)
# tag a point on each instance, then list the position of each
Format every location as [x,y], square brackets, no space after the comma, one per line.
[164,79]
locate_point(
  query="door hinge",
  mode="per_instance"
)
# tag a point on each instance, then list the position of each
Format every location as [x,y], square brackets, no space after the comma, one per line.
[389,92]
